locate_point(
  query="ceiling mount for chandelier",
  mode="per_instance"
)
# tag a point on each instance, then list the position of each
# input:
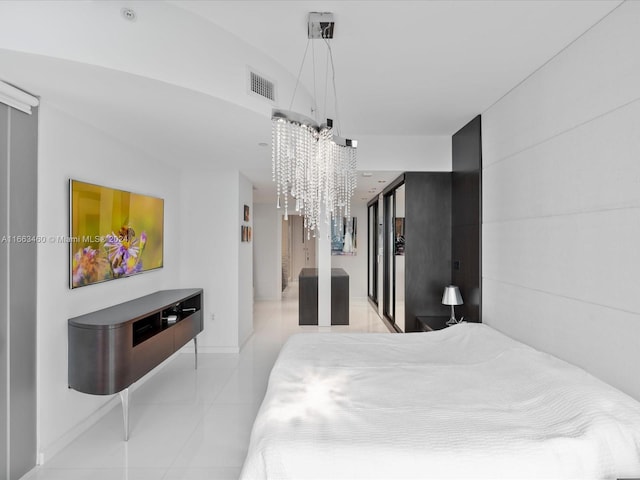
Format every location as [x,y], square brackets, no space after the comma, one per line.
[320,25]
[311,163]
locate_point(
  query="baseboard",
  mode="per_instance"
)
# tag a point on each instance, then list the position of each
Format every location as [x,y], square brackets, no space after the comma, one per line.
[269,299]
[114,402]
[31,474]
[65,440]
[244,342]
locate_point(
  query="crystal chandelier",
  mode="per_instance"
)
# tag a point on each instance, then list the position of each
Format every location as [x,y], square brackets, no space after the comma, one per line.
[310,163]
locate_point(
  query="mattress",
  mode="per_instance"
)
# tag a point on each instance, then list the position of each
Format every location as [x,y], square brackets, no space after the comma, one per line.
[463,402]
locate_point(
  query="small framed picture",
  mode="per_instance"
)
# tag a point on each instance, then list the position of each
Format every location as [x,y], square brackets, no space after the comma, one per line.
[246,213]
[248,234]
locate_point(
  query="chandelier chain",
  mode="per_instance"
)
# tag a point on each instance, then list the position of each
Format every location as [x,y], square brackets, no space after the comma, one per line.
[333,81]
[295,89]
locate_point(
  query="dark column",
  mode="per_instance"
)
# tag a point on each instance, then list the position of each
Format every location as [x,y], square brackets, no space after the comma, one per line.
[467,218]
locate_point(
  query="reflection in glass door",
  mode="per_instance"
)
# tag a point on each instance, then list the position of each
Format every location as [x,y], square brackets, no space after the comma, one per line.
[372,266]
[389,257]
[394,247]
[398,252]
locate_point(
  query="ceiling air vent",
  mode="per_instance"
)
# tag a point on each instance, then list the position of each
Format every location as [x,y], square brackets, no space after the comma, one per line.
[261,86]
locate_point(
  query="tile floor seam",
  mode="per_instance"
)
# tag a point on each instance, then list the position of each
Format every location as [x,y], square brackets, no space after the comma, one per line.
[197,425]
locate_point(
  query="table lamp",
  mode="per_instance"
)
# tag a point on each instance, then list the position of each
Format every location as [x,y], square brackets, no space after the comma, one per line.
[452,297]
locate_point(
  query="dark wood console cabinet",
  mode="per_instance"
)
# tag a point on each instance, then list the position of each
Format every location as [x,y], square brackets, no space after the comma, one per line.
[112,348]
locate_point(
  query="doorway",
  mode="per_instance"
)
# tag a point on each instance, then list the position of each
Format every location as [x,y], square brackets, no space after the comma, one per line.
[299,249]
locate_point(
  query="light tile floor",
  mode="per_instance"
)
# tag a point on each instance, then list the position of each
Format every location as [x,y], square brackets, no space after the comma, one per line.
[189,424]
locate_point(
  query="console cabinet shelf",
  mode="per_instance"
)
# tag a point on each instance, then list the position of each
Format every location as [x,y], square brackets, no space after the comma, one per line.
[112,348]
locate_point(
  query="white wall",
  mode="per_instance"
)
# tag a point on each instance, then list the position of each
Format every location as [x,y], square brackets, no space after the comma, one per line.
[267,241]
[404,153]
[245,262]
[561,203]
[356,265]
[211,215]
[69,148]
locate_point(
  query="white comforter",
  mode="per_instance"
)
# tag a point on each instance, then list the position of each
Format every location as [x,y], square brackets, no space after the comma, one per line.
[464,402]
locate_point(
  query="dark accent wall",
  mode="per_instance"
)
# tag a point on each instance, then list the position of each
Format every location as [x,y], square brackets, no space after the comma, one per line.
[466,218]
[427,244]
[18,219]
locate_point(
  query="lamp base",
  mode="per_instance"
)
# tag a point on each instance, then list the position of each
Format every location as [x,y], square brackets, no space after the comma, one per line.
[452,320]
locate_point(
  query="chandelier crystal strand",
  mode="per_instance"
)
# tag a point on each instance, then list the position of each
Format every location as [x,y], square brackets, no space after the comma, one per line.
[276,145]
[286,155]
[299,161]
[331,199]
[351,181]
[324,195]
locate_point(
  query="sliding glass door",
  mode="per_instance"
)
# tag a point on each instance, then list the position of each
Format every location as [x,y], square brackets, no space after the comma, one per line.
[393,264]
[398,257]
[389,260]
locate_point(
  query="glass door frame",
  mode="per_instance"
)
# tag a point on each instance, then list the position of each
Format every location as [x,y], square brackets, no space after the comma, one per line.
[372,263]
[389,263]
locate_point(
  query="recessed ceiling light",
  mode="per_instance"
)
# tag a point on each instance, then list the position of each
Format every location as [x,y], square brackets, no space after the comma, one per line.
[263,144]
[382,181]
[367,174]
[128,14]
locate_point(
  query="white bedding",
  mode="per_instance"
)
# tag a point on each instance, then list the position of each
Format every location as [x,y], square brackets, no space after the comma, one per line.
[464,402]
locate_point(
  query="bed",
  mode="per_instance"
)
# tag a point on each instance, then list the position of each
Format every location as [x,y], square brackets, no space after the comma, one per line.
[464,402]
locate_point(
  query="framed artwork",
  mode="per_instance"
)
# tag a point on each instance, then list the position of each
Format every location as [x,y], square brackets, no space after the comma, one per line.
[245,233]
[115,233]
[344,238]
[246,213]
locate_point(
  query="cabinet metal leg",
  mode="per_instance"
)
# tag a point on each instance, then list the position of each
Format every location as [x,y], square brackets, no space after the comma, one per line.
[124,398]
[195,346]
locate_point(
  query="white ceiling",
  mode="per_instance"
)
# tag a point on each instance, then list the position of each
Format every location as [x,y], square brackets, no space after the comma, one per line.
[412,67]
[402,68]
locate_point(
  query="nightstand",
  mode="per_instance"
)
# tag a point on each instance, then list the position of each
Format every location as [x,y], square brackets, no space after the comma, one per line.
[431,323]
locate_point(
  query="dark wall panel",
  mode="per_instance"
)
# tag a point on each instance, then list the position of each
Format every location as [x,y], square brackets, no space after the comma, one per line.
[427,244]
[465,197]
[4,341]
[467,218]
[22,302]
[468,275]
[18,220]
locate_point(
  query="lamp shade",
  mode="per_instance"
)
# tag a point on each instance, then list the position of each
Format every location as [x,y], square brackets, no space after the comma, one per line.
[451,296]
